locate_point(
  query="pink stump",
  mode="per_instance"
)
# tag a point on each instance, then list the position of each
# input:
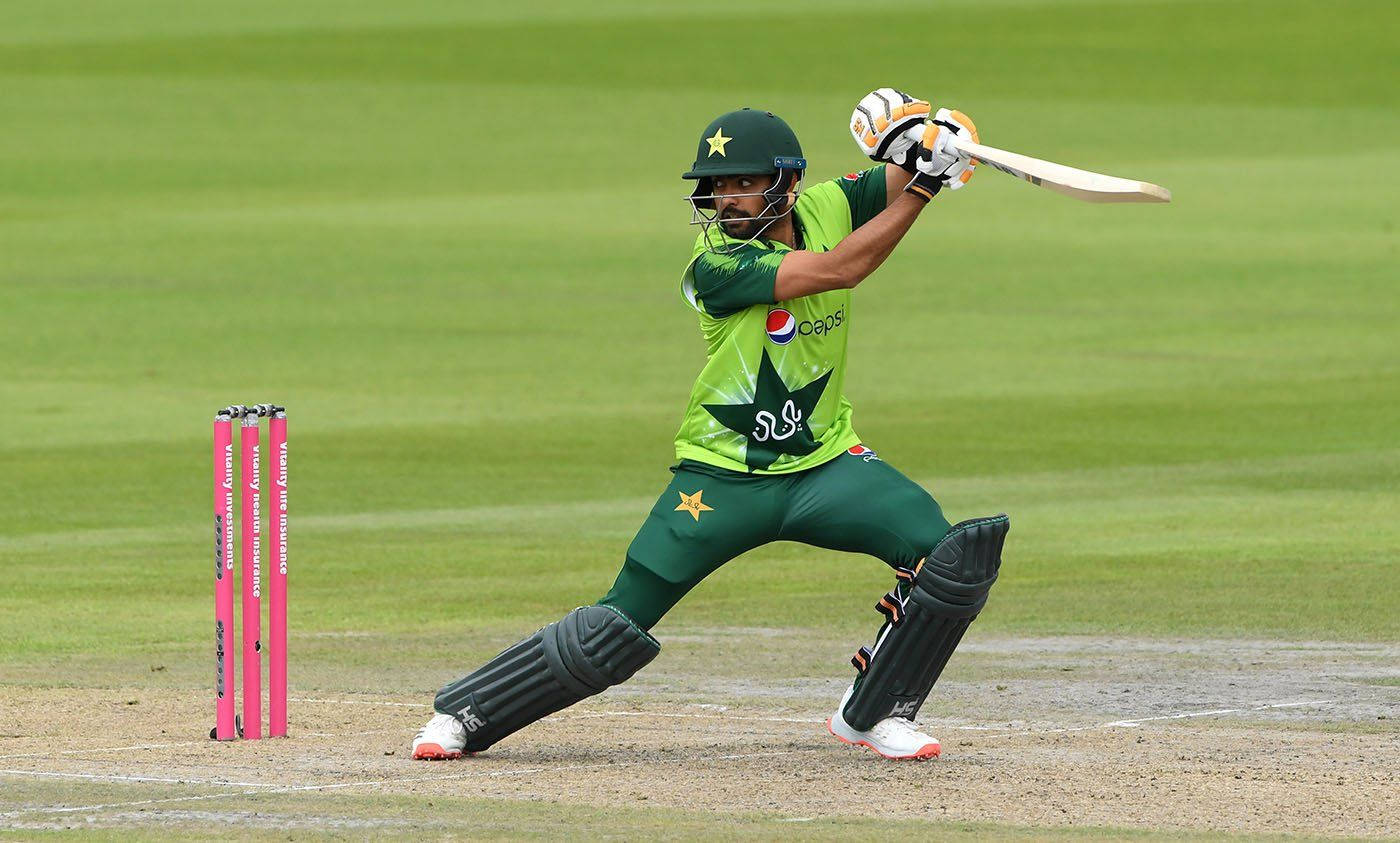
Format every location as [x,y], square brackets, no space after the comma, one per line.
[252,580]
[224,728]
[277,579]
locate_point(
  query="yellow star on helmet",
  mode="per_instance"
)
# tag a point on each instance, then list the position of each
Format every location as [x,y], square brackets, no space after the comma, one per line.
[717,142]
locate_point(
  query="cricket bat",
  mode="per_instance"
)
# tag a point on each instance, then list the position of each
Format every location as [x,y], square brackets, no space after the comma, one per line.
[1081,184]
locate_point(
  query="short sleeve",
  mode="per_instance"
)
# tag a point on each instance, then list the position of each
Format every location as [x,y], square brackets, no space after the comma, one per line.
[865,193]
[726,284]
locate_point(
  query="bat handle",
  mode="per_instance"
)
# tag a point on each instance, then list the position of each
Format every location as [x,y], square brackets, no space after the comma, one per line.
[965,148]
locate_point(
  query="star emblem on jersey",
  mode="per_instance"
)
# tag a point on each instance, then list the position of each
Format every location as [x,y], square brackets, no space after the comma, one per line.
[693,504]
[776,421]
[717,142]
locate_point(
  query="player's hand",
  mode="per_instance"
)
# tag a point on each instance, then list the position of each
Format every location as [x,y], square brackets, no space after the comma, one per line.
[936,154]
[881,121]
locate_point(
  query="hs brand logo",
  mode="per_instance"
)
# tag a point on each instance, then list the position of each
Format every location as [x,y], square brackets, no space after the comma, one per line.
[470,721]
[905,709]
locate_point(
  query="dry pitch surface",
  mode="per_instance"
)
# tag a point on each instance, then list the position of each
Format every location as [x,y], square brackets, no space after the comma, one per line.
[1038,735]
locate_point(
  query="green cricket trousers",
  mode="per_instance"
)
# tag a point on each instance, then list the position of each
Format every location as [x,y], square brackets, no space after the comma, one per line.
[707,516]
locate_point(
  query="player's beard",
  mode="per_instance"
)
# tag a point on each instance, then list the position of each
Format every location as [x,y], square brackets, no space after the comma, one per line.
[738,225]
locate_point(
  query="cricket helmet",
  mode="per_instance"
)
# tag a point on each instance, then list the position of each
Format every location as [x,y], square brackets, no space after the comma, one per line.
[746,142]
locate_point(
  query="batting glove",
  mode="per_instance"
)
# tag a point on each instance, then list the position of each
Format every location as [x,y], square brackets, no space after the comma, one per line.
[936,153]
[881,121]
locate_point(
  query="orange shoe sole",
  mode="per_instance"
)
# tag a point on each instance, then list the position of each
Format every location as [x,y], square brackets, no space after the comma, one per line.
[928,750]
[433,752]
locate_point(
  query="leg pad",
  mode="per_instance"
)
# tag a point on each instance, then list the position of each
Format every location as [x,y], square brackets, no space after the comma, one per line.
[592,648]
[949,588]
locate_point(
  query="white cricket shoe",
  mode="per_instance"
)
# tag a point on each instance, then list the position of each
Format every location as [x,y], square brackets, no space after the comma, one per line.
[894,737]
[443,738]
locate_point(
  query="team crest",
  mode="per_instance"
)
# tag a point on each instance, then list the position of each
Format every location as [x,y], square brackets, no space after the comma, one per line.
[717,142]
[692,504]
[775,421]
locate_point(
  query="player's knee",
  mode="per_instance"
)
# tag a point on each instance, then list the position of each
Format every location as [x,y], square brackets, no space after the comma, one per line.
[955,577]
[642,595]
[599,645]
[922,522]
[926,622]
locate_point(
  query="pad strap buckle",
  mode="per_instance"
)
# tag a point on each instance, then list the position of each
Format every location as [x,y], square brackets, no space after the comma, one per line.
[892,607]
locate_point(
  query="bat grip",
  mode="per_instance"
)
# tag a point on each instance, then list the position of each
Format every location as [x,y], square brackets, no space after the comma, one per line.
[964,148]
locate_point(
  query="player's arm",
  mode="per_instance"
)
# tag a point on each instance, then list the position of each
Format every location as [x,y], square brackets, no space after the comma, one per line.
[803,273]
[896,177]
[875,189]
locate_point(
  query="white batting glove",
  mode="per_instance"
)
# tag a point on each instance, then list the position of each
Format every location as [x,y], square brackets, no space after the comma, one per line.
[936,154]
[881,121]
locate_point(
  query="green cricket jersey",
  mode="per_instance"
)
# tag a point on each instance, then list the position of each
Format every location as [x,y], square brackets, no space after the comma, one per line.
[769,399]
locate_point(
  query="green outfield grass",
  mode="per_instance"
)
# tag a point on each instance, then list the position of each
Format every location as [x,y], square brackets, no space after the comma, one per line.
[449,239]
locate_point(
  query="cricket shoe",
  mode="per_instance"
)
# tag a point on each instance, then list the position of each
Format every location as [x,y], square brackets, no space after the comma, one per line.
[442,739]
[896,738]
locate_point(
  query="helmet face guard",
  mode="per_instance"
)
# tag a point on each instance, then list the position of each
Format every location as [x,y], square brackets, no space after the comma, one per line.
[776,206]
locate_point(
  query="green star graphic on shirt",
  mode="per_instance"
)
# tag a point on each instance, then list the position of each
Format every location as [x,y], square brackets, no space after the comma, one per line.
[776,422]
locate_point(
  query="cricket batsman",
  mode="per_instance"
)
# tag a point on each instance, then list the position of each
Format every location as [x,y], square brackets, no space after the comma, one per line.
[766,451]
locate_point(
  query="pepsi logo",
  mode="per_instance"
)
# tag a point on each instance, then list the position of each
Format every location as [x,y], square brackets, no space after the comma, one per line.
[863,452]
[782,326]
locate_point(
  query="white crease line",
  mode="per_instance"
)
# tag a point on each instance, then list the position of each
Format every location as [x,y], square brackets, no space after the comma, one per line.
[270,789]
[20,813]
[99,749]
[52,753]
[1133,722]
[116,777]
[1136,720]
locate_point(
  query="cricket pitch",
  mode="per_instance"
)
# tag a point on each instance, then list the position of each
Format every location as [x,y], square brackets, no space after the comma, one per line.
[1075,734]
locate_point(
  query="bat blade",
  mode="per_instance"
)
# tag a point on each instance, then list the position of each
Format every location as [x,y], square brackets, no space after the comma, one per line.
[1071,181]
